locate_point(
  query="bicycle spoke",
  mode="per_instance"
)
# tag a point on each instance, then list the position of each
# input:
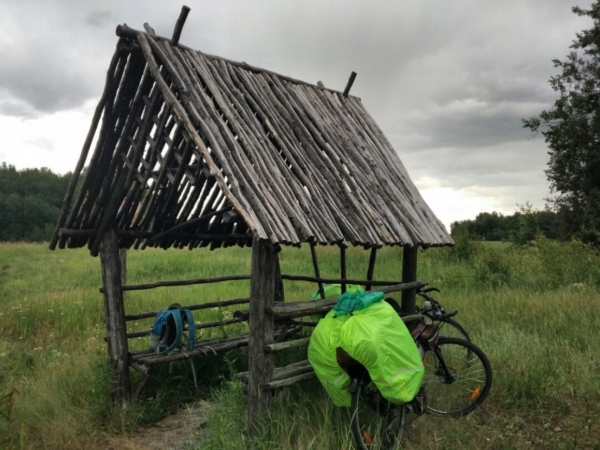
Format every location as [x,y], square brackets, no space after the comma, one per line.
[457,377]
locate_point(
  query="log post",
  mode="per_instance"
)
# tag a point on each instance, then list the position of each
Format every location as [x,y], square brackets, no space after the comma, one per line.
[114,318]
[263,283]
[409,273]
[343,267]
[350,83]
[279,291]
[123,261]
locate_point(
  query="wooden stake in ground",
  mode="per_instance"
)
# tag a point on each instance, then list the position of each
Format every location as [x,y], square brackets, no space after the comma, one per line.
[114,317]
[409,273]
[260,363]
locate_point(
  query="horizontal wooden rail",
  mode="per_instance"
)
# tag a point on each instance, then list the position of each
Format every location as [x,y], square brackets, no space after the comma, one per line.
[338,280]
[152,314]
[304,323]
[201,348]
[198,325]
[139,287]
[293,310]
[281,373]
[287,344]
[289,381]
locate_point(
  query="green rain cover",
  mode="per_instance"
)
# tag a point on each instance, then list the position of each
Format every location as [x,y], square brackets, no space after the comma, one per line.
[335,290]
[377,338]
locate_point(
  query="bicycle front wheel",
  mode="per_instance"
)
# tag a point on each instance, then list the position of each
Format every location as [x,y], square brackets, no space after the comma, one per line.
[453,329]
[376,422]
[458,377]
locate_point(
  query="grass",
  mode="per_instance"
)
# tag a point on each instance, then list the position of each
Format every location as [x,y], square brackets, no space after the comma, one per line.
[534,311]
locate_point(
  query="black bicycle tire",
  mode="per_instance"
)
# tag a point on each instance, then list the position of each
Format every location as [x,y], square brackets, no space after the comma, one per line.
[355,423]
[454,324]
[473,351]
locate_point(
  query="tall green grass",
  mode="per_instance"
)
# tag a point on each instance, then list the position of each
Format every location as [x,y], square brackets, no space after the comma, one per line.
[533,310]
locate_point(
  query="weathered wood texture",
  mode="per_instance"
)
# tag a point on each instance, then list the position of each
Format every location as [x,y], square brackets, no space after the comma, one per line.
[409,274]
[114,315]
[263,287]
[292,310]
[181,135]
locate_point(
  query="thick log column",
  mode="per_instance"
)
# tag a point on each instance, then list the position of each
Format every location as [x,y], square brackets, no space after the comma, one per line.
[409,273]
[114,318]
[263,286]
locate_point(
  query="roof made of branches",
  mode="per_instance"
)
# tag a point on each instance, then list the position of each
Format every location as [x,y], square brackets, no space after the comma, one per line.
[195,150]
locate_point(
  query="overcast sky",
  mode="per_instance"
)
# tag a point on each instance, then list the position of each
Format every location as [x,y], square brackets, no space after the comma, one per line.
[447,81]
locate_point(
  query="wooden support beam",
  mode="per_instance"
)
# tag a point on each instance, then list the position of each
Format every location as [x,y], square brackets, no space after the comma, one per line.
[123,261]
[409,274]
[371,268]
[261,324]
[313,253]
[343,267]
[179,25]
[279,291]
[114,316]
[350,83]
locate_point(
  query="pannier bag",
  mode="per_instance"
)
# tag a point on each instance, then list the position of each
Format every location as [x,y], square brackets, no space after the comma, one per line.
[371,332]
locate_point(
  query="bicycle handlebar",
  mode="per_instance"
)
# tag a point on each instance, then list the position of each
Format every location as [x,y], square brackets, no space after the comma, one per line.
[425,291]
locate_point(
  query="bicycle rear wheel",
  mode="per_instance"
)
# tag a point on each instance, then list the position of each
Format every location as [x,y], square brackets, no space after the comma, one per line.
[376,422]
[458,377]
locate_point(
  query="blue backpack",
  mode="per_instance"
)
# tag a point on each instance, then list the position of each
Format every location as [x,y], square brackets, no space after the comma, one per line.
[167,332]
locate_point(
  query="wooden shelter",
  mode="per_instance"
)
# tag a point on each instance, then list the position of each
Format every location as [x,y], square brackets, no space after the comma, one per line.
[193,150]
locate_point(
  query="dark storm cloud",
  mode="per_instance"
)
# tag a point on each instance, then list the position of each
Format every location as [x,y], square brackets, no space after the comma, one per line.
[51,62]
[448,82]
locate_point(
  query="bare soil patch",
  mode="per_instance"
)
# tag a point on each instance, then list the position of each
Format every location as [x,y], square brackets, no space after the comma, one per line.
[175,431]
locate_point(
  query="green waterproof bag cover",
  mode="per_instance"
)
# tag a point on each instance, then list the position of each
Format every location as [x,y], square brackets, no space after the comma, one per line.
[376,337]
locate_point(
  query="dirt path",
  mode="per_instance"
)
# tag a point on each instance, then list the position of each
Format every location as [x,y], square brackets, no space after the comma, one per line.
[174,432]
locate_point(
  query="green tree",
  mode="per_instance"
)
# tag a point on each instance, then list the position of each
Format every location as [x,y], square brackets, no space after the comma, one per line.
[30,201]
[571,129]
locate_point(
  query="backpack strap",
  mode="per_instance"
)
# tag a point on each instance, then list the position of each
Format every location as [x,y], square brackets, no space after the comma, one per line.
[189,317]
[158,328]
[163,348]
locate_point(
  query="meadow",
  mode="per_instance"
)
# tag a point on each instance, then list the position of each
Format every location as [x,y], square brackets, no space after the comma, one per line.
[534,311]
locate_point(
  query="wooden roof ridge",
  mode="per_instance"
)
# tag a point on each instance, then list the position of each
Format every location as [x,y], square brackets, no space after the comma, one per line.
[125,31]
[196,150]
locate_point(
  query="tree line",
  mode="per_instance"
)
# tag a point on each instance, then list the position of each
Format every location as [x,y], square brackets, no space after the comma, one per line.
[522,226]
[30,200]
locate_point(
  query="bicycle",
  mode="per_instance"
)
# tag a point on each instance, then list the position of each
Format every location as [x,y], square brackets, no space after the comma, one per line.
[434,312]
[458,378]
